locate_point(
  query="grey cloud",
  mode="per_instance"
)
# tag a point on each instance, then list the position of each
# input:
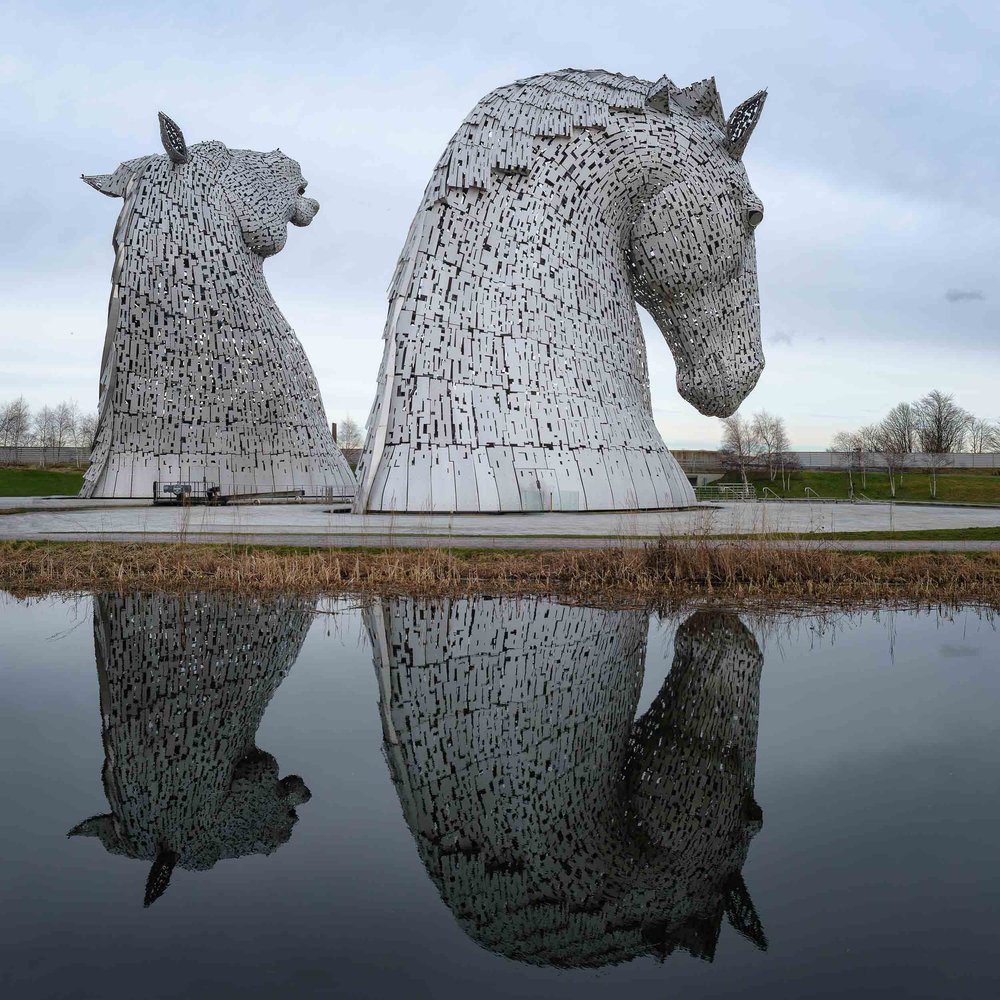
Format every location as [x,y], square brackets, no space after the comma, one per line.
[958,295]
[780,338]
[865,215]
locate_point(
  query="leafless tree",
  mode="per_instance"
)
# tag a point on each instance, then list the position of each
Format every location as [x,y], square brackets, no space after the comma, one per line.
[982,435]
[43,430]
[937,460]
[847,445]
[739,448]
[349,433]
[857,447]
[941,423]
[783,457]
[64,424]
[993,443]
[868,447]
[890,445]
[15,425]
[898,429]
[86,430]
[769,438]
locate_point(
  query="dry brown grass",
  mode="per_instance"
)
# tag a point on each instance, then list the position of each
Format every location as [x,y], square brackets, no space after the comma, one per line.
[668,570]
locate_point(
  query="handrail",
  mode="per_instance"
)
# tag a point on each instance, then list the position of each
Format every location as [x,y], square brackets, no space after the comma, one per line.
[726,491]
[767,489]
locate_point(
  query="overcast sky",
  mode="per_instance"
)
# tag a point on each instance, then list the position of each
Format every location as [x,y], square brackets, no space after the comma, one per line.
[876,159]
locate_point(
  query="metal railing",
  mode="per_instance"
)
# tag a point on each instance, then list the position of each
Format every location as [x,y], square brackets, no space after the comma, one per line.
[185,493]
[726,491]
[210,493]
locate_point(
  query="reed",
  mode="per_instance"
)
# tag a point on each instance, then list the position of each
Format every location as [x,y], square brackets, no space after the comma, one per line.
[666,570]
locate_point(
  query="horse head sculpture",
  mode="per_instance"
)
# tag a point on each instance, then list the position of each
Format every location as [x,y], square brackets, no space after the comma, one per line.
[558,829]
[202,379]
[514,376]
[265,191]
[184,684]
[692,255]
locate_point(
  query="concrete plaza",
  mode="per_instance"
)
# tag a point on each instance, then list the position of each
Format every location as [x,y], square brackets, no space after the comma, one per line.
[309,524]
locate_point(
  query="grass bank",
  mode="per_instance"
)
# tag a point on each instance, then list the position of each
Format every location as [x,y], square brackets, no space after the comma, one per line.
[971,486]
[18,481]
[980,534]
[662,571]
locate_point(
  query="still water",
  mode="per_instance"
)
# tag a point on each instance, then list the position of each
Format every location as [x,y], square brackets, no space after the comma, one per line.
[212,797]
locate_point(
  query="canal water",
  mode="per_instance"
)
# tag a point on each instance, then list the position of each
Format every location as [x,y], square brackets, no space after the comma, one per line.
[212,797]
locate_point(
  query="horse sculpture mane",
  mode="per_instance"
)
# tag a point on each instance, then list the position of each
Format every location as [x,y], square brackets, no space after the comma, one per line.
[500,132]
[202,379]
[514,376]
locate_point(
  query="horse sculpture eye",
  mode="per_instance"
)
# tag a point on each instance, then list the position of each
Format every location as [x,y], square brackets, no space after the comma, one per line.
[755,217]
[302,189]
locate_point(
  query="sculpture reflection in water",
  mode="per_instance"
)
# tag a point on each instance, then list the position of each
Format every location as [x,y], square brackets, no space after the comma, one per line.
[558,830]
[184,683]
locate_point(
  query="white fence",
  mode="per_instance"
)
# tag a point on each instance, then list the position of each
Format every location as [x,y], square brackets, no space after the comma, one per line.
[44,456]
[918,460]
[694,462]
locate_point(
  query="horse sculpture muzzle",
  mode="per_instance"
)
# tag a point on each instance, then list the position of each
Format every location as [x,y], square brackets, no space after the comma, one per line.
[709,316]
[716,346]
[305,211]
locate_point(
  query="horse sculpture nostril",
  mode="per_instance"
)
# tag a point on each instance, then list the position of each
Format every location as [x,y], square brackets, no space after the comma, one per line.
[755,217]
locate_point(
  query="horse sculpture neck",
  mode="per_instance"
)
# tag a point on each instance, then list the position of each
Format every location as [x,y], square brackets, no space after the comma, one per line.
[514,375]
[202,379]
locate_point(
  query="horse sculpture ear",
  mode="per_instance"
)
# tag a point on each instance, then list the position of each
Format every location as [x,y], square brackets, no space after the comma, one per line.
[173,140]
[96,826]
[109,184]
[742,122]
[702,98]
[159,875]
[659,93]
[741,914]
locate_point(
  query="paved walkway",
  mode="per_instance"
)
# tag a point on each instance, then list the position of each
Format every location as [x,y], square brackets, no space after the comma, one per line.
[316,525]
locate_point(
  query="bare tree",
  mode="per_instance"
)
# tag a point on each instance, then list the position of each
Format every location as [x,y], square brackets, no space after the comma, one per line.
[349,433]
[43,430]
[890,445]
[981,435]
[941,423]
[15,425]
[783,449]
[898,429]
[86,431]
[868,443]
[857,447]
[847,444]
[993,443]
[739,449]
[770,439]
[65,416]
[937,460]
